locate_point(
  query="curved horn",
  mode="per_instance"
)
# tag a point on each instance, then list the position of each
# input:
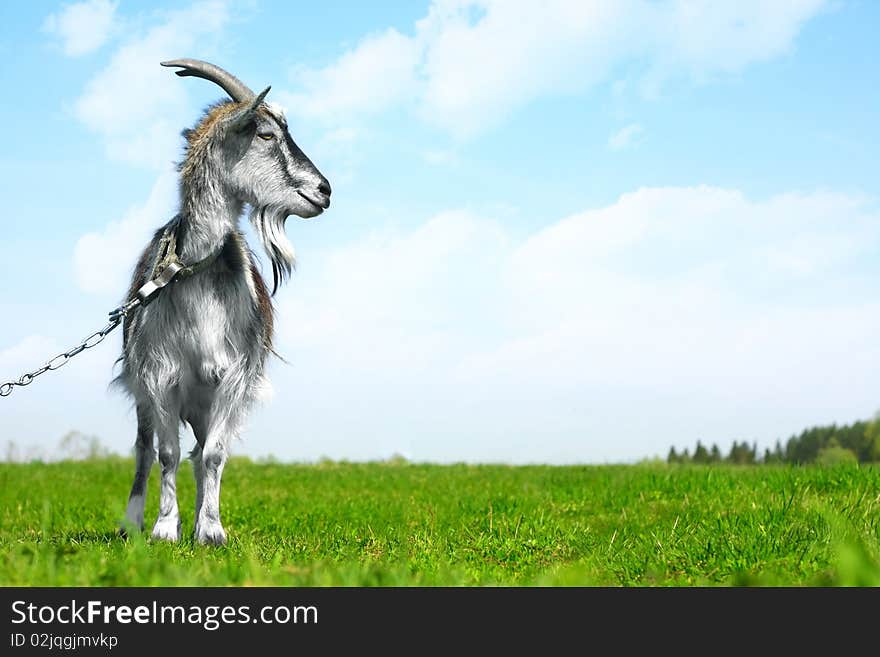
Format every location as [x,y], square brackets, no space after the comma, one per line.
[236,89]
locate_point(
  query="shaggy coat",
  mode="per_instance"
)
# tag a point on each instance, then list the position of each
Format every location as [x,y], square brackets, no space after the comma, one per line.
[197,353]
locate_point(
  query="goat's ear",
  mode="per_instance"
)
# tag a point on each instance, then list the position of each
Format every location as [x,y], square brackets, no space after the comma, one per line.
[243,117]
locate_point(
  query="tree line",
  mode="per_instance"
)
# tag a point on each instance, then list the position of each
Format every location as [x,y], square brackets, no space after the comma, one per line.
[853,443]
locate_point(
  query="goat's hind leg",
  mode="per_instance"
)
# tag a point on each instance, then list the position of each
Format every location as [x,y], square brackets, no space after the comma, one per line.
[209,472]
[144,456]
[167,525]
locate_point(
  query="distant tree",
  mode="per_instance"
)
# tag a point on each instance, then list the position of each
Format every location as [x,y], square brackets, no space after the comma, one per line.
[733,454]
[854,438]
[77,446]
[774,456]
[790,446]
[12,452]
[34,454]
[701,454]
[860,439]
[778,454]
[835,454]
[872,441]
[742,453]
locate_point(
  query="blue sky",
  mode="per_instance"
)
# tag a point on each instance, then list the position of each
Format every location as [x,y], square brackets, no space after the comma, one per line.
[573,232]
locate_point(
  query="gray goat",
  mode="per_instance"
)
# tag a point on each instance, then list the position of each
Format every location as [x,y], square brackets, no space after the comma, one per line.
[197,353]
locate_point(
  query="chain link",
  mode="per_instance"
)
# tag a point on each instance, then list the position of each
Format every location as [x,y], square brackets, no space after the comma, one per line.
[165,270]
[63,358]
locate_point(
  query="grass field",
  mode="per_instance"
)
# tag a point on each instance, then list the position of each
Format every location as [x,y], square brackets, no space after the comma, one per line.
[407,524]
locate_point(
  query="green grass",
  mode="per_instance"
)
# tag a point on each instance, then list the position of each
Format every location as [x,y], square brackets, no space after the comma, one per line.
[406,524]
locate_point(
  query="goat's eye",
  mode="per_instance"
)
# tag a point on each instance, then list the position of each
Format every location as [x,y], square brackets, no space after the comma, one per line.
[266,135]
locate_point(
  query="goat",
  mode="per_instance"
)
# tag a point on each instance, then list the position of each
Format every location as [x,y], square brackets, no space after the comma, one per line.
[197,353]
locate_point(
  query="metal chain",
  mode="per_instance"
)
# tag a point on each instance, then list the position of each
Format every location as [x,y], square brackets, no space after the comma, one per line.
[165,270]
[62,359]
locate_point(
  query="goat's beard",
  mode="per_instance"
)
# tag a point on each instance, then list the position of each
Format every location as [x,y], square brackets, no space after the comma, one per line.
[269,223]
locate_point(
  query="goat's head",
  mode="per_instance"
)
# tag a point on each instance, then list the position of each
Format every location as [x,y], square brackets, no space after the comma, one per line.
[246,143]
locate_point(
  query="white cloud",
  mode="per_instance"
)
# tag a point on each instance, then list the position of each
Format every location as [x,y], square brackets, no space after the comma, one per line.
[469,63]
[440,157]
[378,73]
[668,251]
[682,301]
[396,306]
[103,260]
[710,36]
[138,106]
[662,287]
[83,27]
[625,137]
[26,356]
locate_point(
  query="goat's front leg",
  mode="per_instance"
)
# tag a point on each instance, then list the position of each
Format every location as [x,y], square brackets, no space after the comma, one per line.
[167,525]
[209,471]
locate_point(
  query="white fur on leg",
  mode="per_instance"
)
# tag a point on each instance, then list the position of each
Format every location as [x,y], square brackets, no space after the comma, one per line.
[167,528]
[167,525]
[208,529]
[210,532]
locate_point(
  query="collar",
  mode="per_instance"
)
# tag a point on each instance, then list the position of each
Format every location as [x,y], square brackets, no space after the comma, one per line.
[167,258]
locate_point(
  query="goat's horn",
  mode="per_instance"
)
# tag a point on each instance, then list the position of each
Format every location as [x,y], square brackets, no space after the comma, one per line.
[236,89]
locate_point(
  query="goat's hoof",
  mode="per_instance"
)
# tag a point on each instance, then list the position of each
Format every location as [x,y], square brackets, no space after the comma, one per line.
[210,533]
[129,527]
[167,529]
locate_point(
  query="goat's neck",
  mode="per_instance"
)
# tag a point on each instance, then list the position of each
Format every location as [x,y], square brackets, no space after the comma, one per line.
[208,214]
